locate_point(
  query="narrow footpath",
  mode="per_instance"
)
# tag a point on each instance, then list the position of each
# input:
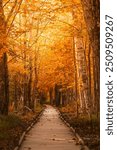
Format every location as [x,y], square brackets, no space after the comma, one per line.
[50,133]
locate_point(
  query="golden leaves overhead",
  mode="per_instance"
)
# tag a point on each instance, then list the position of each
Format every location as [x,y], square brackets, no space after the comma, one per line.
[42,33]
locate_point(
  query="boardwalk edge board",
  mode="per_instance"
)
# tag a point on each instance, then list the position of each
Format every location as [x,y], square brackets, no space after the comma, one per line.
[34,121]
[79,140]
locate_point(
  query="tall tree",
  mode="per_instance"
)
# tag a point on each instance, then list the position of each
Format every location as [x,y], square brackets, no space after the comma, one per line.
[92,17]
[4,82]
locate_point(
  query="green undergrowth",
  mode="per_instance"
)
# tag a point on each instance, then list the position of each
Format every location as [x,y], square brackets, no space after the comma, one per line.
[11,128]
[10,121]
[13,125]
[7,124]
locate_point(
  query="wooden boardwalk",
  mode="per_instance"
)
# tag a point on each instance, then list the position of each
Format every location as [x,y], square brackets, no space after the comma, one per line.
[50,133]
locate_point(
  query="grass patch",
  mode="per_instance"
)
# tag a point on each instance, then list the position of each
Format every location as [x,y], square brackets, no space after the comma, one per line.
[4,135]
[12,127]
[8,123]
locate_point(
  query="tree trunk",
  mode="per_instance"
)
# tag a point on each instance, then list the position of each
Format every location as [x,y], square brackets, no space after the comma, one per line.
[4,81]
[92,18]
[30,102]
[15,93]
[4,85]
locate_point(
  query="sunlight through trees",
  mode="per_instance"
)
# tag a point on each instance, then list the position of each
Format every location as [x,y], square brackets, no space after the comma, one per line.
[53,52]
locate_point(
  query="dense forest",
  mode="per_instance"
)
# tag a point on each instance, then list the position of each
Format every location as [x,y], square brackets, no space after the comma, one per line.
[50,54]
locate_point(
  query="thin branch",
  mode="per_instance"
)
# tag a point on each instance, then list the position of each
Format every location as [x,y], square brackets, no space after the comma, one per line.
[10,14]
[14,17]
[6,3]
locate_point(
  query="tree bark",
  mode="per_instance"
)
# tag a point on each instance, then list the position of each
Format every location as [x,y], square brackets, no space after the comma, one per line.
[4,81]
[92,17]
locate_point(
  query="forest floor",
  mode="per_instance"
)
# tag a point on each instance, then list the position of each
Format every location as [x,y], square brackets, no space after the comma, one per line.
[12,127]
[89,131]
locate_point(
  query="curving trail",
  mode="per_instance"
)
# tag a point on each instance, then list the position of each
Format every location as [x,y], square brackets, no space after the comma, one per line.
[50,133]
